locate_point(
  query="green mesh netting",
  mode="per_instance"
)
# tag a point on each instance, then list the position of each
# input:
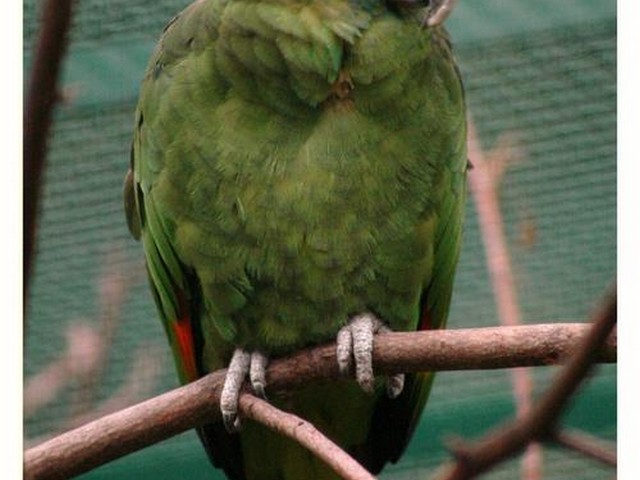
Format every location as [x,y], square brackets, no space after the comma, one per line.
[546,75]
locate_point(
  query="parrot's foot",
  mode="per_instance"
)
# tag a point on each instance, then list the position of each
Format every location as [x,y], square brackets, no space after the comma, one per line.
[438,12]
[355,344]
[242,363]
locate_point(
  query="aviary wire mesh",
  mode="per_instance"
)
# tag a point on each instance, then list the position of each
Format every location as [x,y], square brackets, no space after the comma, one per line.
[551,85]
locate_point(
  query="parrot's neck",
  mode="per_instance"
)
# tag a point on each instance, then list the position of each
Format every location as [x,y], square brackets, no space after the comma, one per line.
[317,50]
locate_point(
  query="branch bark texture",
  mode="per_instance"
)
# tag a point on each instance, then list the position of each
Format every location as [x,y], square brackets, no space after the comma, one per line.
[306,435]
[184,408]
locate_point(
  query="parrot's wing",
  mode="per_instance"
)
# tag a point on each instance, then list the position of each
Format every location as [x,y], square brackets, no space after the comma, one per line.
[395,420]
[174,286]
[168,277]
[189,36]
[171,282]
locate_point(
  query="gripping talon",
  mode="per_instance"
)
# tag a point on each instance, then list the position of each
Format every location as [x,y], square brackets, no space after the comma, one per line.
[395,383]
[257,373]
[242,363]
[362,329]
[355,344]
[343,350]
[236,373]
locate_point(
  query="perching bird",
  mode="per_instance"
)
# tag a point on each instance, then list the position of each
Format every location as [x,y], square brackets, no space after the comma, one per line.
[298,175]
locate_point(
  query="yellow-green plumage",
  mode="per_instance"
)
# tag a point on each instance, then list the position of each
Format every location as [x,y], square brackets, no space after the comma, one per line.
[297,162]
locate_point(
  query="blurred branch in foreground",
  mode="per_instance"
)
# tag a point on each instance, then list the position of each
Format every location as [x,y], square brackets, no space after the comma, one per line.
[588,445]
[81,365]
[41,98]
[197,403]
[113,286]
[41,389]
[541,423]
[485,179]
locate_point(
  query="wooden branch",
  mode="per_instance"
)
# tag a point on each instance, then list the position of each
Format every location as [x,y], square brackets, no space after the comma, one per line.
[305,434]
[127,431]
[42,95]
[484,181]
[540,423]
[184,408]
[82,364]
[587,445]
[143,374]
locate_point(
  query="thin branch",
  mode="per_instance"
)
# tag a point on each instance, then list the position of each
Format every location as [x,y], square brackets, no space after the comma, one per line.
[78,359]
[113,287]
[143,374]
[194,404]
[305,434]
[144,370]
[81,365]
[42,95]
[540,423]
[587,445]
[42,388]
[484,181]
[127,431]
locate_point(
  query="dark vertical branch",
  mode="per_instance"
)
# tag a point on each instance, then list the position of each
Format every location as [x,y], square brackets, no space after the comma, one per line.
[42,96]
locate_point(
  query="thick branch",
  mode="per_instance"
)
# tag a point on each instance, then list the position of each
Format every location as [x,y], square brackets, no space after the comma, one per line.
[540,423]
[305,434]
[42,95]
[186,407]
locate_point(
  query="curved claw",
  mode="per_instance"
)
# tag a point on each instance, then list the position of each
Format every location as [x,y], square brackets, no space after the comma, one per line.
[395,382]
[242,363]
[395,385]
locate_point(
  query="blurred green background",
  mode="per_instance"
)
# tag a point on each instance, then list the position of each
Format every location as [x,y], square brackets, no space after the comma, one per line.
[543,71]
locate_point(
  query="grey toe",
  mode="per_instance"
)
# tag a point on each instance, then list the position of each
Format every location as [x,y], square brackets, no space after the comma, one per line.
[236,373]
[258,373]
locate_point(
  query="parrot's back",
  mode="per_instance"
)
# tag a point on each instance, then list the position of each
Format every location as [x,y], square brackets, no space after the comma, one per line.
[296,162]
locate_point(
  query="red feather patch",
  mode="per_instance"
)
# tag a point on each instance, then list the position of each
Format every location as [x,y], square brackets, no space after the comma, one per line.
[183,333]
[184,336]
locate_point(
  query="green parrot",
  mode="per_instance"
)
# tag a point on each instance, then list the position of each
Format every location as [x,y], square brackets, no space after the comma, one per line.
[297,176]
